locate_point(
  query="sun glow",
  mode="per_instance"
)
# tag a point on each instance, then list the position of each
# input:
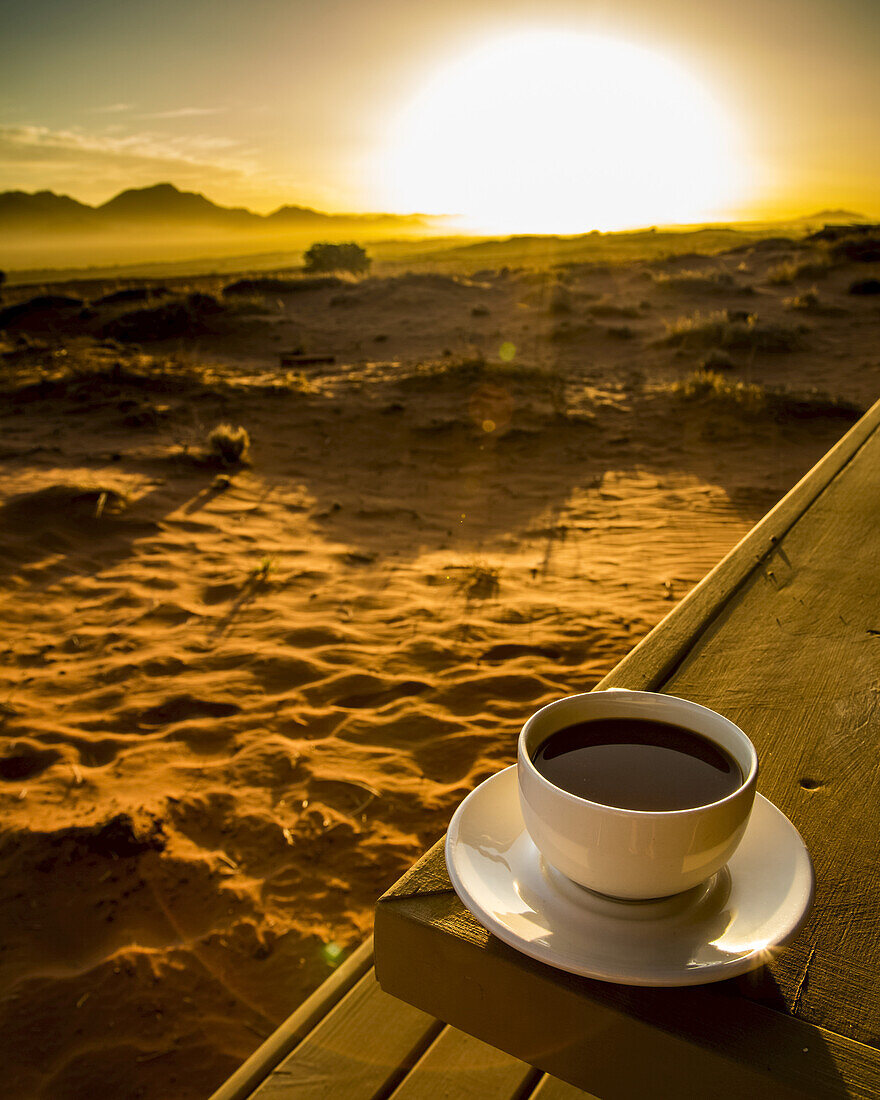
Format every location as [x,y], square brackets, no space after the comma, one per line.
[550,132]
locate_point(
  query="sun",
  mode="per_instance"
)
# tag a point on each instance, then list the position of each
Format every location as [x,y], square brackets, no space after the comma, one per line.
[561,132]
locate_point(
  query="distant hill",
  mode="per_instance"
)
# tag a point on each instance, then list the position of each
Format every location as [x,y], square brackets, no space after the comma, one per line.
[165,206]
[45,212]
[838,216]
[164,203]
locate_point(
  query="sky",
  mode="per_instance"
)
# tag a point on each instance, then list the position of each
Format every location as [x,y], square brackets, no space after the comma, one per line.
[357,105]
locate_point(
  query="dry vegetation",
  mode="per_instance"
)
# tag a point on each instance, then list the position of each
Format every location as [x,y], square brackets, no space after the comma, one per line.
[807,301]
[750,400]
[792,271]
[707,281]
[733,329]
[229,444]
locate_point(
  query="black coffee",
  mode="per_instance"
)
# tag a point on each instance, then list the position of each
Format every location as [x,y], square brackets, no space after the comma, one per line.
[637,764]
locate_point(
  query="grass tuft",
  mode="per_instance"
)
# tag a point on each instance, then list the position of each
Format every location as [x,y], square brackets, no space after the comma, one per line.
[808,301]
[605,307]
[736,330]
[711,388]
[711,281]
[753,402]
[228,444]
[790,271]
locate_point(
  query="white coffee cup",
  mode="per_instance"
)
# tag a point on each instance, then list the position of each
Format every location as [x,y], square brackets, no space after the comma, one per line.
[633,854]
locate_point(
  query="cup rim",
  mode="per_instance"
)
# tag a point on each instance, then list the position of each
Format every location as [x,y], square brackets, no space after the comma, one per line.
[749,780]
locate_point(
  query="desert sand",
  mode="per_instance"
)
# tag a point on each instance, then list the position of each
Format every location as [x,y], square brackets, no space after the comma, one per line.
[238,702]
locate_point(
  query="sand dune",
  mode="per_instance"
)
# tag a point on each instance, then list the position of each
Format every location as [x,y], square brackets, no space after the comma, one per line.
[237,703]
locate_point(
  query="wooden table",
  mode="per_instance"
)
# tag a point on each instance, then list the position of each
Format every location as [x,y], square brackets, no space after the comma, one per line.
[784,638]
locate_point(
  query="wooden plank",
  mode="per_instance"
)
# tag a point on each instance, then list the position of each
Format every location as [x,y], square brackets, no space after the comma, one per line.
[361,1049]
[795,662]
[459,1067]
[740,1029]
[280,1043]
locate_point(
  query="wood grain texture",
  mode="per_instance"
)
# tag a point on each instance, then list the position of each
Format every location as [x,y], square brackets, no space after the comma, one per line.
[780,637]
[361,1049]
[459,1067]
[453,1065]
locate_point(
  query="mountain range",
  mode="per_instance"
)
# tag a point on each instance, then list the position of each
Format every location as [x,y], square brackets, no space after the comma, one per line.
[163,206]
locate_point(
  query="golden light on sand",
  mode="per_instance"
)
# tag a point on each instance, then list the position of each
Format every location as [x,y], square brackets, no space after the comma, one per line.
[553,132]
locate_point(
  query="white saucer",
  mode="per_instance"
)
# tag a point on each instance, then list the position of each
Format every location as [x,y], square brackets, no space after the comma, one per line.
[722,928]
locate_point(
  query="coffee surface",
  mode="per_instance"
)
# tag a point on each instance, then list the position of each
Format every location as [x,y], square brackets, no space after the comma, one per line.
[637,764]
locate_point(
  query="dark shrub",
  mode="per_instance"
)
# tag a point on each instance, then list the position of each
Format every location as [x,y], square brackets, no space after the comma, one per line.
[771,244]
[247,287]
[132,294]
[228,444]
[337,257]
[190,316]
[204,304]
[46,311]
[860,250]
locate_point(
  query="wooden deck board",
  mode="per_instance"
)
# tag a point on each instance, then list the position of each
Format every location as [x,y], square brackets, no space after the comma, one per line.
[370,1046]
[254,1070]
[360,1050]
[812,718]
[459,1067]
[778,636]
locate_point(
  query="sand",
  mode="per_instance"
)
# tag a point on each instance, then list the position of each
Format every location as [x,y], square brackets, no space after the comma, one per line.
[236,704]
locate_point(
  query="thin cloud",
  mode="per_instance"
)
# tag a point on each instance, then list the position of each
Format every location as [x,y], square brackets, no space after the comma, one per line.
[113,108]
[71,158]
[185,112]
[18,141]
